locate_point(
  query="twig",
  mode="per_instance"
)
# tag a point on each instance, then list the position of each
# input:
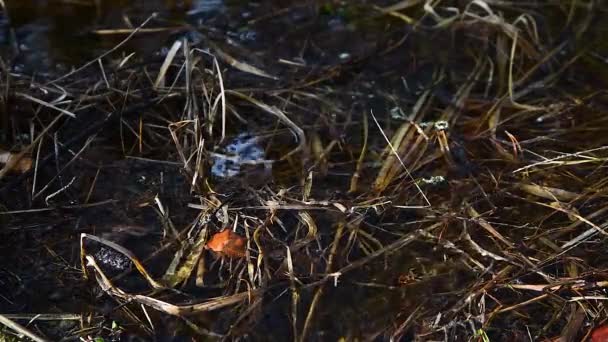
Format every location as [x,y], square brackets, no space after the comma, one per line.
[21,329]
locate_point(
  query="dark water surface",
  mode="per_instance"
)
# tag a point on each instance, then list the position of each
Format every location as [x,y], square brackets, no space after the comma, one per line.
[329,65]
[62,34]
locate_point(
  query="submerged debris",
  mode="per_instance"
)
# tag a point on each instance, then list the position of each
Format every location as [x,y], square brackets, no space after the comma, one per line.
[112,259]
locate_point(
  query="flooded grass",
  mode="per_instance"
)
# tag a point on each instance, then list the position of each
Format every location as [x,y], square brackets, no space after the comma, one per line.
[399,171]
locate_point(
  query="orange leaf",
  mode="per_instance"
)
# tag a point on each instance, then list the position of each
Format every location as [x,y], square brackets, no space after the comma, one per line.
[600,334]
[227,243]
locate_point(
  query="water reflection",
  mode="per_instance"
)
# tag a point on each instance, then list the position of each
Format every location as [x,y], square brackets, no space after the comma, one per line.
[205,7]
[45,36]
[242,151]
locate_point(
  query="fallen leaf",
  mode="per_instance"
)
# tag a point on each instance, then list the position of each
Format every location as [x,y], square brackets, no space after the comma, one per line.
[600,334]
[15,162]
[227,243]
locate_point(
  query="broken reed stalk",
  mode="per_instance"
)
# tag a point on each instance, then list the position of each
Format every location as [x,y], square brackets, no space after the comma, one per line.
[18,328]
[168,308]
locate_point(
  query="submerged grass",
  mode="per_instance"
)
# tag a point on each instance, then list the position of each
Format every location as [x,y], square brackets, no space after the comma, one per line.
[395,193]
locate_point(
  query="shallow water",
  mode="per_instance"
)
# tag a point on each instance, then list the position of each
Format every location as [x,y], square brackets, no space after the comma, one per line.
[334,61]
[43,35]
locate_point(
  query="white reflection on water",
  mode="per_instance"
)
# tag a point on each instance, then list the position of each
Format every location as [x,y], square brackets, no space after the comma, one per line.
[205,7]
[243,150]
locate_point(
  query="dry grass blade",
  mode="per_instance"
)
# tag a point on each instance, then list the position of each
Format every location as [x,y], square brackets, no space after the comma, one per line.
[104,32]
[576,285]
[488,227]
[46,104]
[549,192]
[160,79]
[524,304]
[583,236]
[386,250]
[45,317]
[244,67]
[571,213]
[311,233]
[354,181]
[168,308]
[401,5]
[299,132]
[317,297]
[382,181]
[453,112]
[404,143]
[574,325]
[140,267]
[295,296]
[183,272]
[557,161]
[14,160]
[20,329]
[393,10]
[221,96]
